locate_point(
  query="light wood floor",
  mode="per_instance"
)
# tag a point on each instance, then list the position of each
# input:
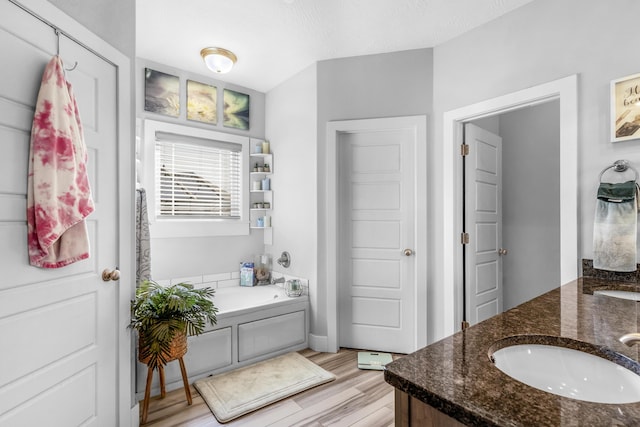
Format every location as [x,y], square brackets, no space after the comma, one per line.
[356,398]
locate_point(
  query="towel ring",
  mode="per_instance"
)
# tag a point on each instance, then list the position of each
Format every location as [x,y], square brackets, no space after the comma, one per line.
[618,166]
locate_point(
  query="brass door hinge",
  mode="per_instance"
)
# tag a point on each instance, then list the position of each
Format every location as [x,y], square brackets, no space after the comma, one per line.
[465,325]
[464,150]
[464,238]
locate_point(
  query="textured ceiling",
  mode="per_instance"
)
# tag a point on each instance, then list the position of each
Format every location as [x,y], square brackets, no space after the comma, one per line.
[275,39]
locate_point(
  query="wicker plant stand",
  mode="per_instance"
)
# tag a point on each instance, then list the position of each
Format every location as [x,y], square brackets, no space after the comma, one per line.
[177,351]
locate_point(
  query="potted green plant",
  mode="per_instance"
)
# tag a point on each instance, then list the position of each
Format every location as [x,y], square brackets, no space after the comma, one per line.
[163,316]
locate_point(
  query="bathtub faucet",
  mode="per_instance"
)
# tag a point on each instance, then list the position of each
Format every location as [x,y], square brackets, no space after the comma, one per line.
[278,280]
[284,260]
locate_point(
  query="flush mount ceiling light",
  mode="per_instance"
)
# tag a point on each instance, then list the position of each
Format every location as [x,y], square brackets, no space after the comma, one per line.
[218,60]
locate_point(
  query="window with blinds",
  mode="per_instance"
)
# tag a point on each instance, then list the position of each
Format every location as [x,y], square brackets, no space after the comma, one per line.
[197,177]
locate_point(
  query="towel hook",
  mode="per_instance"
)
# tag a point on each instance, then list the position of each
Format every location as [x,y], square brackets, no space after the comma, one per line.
[618,166]
[57,31]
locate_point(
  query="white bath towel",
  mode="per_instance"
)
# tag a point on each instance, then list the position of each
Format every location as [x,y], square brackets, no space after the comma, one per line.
[615,227]
[58,193]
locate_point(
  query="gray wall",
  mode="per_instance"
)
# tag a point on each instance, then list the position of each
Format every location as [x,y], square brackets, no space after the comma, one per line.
[386,85]
[530,201]
[542,41]
[193,256]
[291,117]
[113,20]
[256,99]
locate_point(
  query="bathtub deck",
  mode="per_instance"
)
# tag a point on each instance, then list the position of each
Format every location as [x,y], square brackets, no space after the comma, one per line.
[355,398]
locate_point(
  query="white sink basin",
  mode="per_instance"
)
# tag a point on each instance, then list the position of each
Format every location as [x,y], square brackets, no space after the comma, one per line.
[630,295]
[569,373]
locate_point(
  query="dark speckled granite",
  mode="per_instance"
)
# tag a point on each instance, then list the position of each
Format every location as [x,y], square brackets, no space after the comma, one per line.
[589,271]
[456,376]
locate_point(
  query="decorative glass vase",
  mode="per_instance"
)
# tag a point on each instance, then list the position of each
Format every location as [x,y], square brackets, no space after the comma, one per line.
[293,288]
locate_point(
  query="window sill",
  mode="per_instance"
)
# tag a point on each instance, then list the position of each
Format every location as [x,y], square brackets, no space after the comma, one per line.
[194,228]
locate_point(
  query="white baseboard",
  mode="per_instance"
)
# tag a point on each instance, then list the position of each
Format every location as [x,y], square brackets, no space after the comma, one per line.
[318,343]
[135,415]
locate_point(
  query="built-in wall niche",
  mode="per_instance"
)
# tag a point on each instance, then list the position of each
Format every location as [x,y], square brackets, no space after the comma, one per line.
[261,192]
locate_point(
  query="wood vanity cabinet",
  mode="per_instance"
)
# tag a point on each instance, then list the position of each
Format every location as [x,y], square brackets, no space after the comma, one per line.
[411,412]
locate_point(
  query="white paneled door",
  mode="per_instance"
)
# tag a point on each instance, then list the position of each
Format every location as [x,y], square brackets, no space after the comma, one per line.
[483,223]
[376,239]
[58,327]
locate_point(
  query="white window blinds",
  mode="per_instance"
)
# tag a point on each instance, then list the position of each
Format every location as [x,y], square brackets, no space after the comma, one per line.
[197,177]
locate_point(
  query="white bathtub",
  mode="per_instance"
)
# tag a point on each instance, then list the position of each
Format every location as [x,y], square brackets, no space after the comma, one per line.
[237,300]
[254,323]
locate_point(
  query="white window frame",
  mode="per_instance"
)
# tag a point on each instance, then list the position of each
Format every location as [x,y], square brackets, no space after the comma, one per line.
[163,227]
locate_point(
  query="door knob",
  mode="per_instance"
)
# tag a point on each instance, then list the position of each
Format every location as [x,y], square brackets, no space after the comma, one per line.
[502,251]
[110,274]
[408,252]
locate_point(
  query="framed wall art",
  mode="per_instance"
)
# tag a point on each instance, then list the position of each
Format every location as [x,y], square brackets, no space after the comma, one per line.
[625,108]
[161,93]
[202,102]
[236,110]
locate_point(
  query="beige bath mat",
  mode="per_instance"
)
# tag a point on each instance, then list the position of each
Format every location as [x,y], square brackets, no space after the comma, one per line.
[235,393]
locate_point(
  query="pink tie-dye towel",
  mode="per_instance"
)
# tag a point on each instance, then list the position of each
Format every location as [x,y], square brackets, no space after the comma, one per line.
[58,192]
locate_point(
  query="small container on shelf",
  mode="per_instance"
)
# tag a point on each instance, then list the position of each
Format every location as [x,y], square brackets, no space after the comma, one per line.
[257,185]
[266,184]
[260,222]
[266,167]
[265,147]
[258,149]
[262,266]
[266,205]
[255,168]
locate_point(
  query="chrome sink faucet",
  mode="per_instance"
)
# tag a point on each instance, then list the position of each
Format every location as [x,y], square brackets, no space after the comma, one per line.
[630,339]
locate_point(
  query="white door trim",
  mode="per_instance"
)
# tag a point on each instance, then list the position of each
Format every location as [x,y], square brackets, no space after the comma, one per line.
[419,126]
[566,91]
[125,132]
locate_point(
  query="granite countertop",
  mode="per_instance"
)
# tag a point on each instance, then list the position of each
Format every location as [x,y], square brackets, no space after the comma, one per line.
[456,376]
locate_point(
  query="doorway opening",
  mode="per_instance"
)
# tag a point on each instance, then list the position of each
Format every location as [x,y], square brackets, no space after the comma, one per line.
[511,209]
[565,91]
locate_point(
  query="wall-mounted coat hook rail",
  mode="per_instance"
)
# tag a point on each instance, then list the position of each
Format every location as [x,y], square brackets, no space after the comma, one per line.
[55,30]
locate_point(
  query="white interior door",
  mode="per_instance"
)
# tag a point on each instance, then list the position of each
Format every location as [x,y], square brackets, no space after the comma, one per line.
[58,327]
[483,223]
[376,279]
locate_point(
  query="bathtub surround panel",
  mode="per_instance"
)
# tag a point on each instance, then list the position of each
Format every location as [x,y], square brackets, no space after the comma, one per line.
[210,351]
[254,323]
[270,335]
